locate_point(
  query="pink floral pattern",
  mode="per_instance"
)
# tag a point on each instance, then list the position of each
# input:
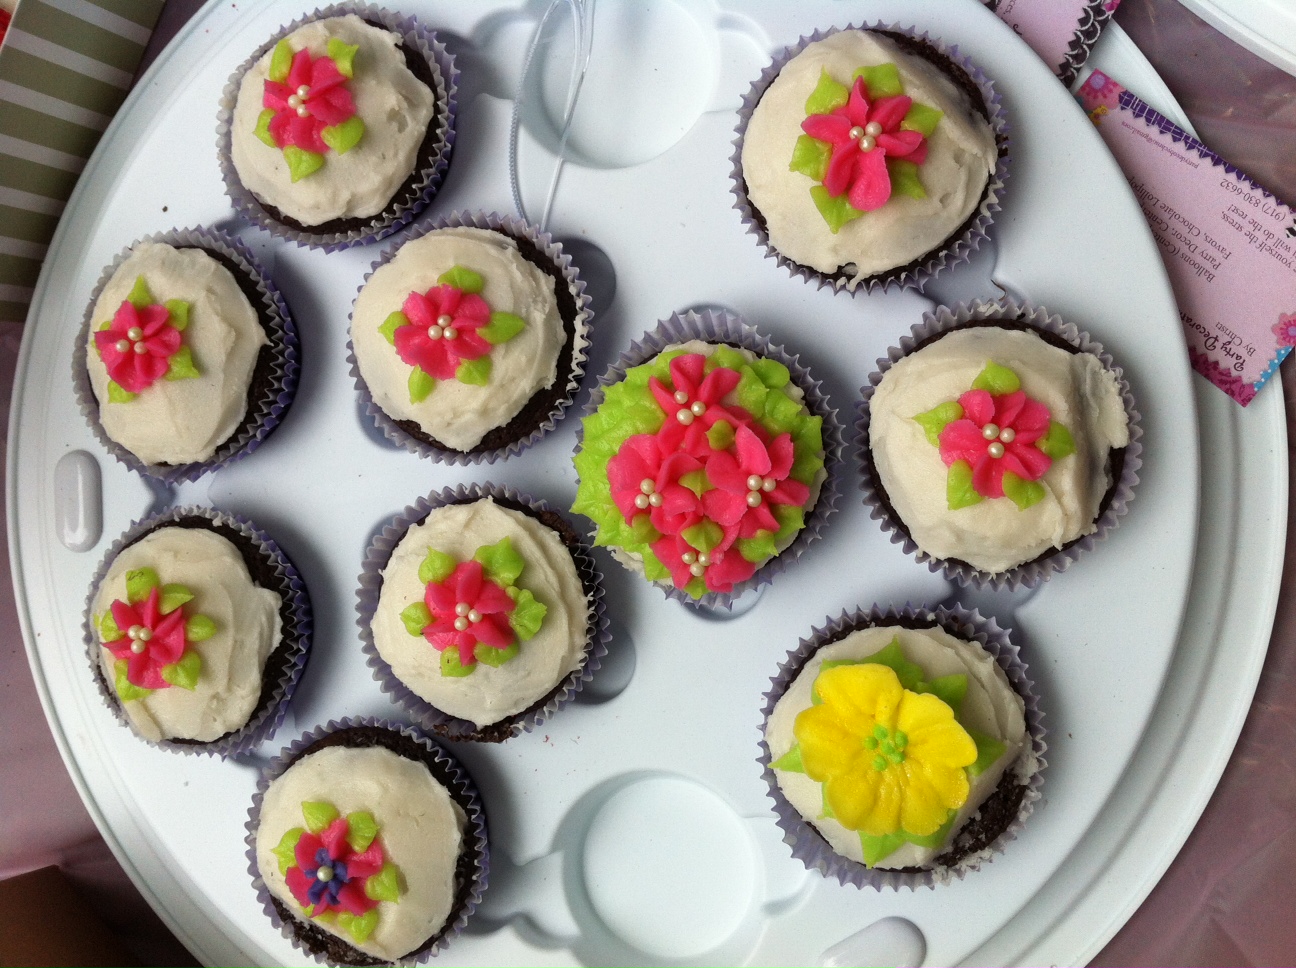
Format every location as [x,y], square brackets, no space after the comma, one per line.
[149,641]
[313,97]
[137,347]
[996,435]
[468,608]
[443,330]
[749,480]
[329,875]
[1285,329]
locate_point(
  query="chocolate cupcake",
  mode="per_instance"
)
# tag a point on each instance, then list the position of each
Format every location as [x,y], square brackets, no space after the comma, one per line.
[481,612]
[187,357]
[339,129]
[869,158]
[469,338]
[902,748]
[999,443]
[197,628]
[367,844]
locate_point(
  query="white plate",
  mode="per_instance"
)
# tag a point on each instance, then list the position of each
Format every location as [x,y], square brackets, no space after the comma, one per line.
[583,798]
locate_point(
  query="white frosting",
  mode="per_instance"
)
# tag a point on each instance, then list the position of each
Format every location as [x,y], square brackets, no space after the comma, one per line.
[961,157]
[420,827]
[990,707]
[995,535]
[393,104]
[458,414]
[179,421]
[233,659]
[489,694]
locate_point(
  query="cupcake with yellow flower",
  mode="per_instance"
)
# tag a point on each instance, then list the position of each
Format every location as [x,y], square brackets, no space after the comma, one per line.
[902,748]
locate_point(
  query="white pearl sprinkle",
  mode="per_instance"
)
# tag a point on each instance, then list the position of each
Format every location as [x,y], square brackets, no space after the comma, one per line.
[704,559]
[647,485]
[294,101]
[134,333]
[463,608]
[681,397]
[697,570]
[754,482]
[684,416]
[689,558]
[122,345]
[656,500]
[435,331]
[324,874]
[698,408]
[856,133]
[303,90]
[302,112]
[450,332]
[141,349]
[641,502]
[990,431]
[873,129]
[867,144]
[768,485]
[996,450]
[474,616]
[444,319]
[753,499]
[1007,435]
[145,634]
[134,631]
[461,624]
[137,647]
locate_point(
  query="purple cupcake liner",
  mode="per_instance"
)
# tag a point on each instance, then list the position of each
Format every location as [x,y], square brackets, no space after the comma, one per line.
[295,634]
[808,846]
[957,249]
[431,718]
[721,326]
[447,771]
[428,179]
[1029,574]
[264,413]
[518,229]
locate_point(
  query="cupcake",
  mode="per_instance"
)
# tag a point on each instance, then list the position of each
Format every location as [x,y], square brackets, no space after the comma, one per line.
[469,339]
[187,357]
[705,458]
[367,844]
[902,748]
[481,612]
[869,157]
[1000,443]
[198,628]
[339,129]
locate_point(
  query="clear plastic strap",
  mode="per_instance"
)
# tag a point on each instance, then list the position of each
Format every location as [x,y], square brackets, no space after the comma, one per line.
[582,16]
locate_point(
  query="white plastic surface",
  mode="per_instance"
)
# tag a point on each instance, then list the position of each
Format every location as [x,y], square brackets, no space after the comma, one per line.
[679,696]
[1267,28]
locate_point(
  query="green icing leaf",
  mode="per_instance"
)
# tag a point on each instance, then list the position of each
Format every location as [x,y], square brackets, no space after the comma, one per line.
[462,278]
[759,548]
[475,372]
[185,672]
[791,519]
[118,395]
[527,615]
[343,55]
[126,690]
[450,665]
[361,830]
[173,596]
[826,809]
[140,295]
[807,465]
[642,530]
[909,673]
[751,392]
[881,81]
[959,492]
[262,130]
[837,212]
[938,418]
[696,481]
[286,851]
[501,562]
[880,847]
[178,313]
[696,588]
[781,413]
[997,380]
[922,118]
[790,761]
[501,328]
[301,163]
[139,582]
[359,928]
[108,630]
[827,95]
[810,157]
[421,385]
[345,136]
[182,365]
[199,628]
[280,62]
[437,566]
[1022,493]
[772,373]
[904,178]
[491,656]
[706,535]
[1058,442]
[385,885]
[654,570]
[416,617]
[949,689]
[727,356]
[393,322]
[721,435]
[989,749]
[318,814]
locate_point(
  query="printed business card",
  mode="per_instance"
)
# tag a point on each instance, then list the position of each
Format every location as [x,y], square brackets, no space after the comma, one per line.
[1062,32]
[1228,245]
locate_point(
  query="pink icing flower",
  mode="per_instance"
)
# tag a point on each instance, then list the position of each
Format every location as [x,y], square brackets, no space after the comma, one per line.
[645,477]
[720,569]
[995,435]
[748,481]
[693,403]
[329,875]
[468,608]
[1285,330]
[443,330]
[137,347]
[150,640]
[863,135]
[313,98]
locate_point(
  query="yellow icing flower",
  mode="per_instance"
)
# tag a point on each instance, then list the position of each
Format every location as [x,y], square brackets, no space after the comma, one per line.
[889,759]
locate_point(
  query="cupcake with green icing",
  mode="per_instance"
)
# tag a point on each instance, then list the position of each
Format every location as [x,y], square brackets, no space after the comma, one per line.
[705,458]
[902,748]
